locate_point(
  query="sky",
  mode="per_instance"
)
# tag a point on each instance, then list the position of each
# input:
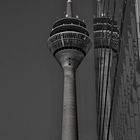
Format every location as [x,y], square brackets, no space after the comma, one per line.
[31,80]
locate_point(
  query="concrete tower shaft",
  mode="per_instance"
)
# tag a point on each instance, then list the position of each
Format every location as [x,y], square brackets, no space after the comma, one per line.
[69,42]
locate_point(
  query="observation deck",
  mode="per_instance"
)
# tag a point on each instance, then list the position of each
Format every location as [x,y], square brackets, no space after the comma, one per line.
[69,33]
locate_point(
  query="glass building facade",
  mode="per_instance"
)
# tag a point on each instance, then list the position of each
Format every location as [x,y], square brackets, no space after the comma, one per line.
[119,115]
[125,121]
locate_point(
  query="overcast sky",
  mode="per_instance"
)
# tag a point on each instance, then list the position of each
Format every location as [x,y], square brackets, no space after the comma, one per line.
[31,81]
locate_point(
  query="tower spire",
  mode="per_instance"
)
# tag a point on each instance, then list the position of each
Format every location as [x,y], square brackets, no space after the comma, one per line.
[69,12]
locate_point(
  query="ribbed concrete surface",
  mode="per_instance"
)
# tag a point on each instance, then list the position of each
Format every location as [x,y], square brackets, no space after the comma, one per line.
[69,124]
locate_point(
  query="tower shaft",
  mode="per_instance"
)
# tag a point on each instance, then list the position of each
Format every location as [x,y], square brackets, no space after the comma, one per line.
[69,122]
[69,61]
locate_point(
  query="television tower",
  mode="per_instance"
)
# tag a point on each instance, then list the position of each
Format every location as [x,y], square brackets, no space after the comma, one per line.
[69,42]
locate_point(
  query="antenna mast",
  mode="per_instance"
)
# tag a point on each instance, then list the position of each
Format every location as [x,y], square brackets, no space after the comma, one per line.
[69,11]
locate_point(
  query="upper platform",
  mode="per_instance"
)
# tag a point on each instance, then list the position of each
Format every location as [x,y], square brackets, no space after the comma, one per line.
[71,20]
[69,24]
[69,33]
